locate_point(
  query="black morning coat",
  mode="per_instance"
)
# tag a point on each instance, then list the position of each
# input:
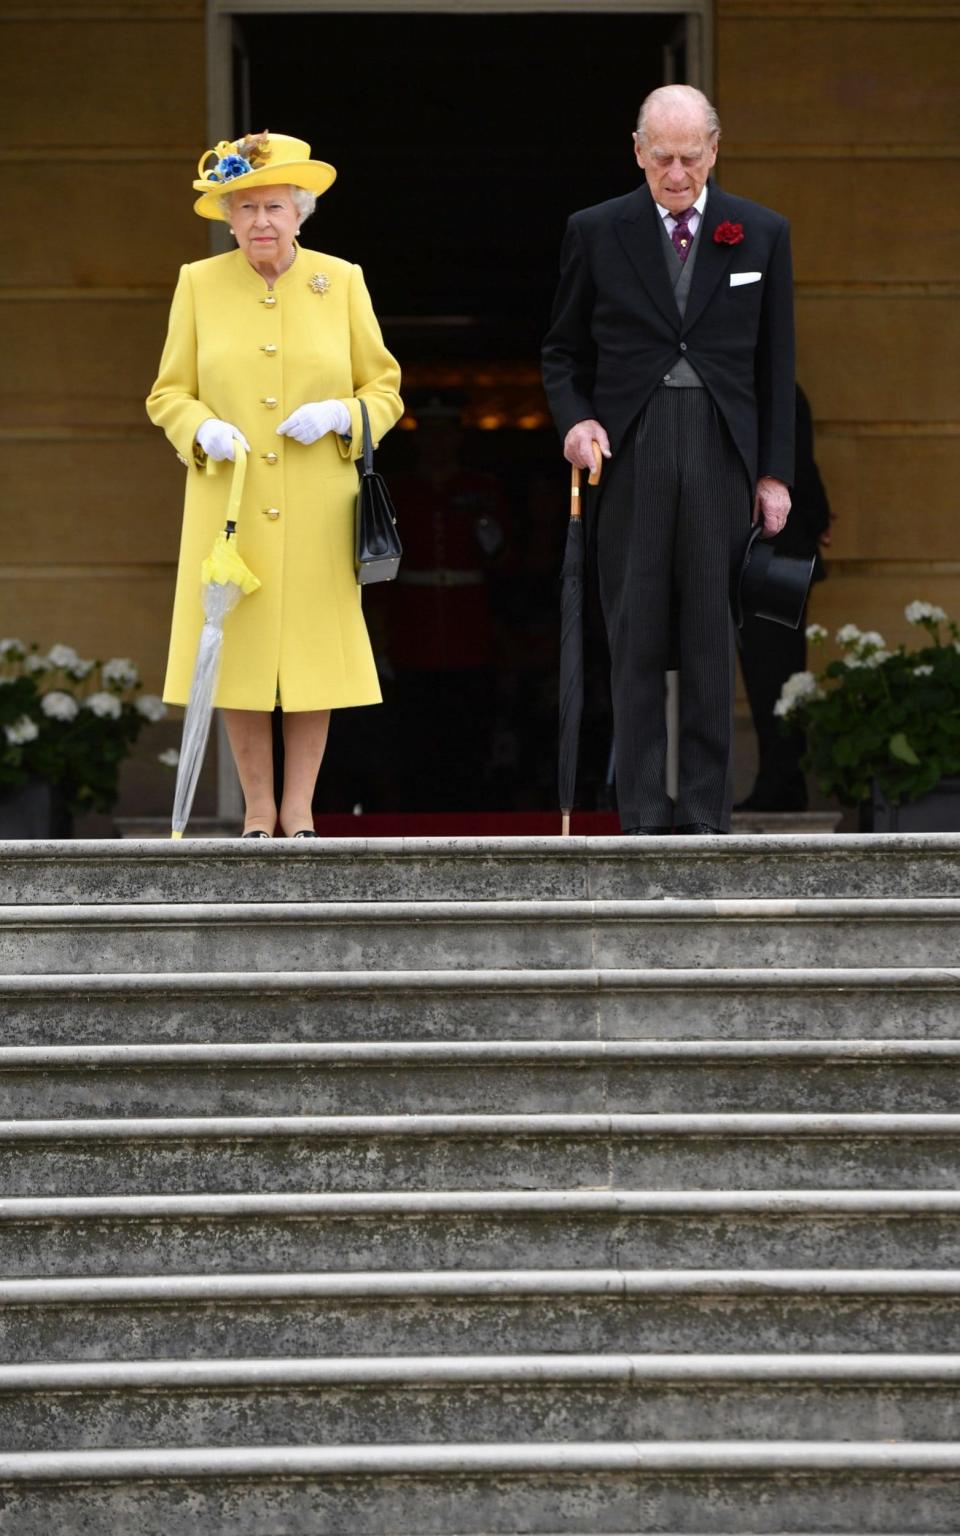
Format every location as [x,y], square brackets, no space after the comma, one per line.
[616,329]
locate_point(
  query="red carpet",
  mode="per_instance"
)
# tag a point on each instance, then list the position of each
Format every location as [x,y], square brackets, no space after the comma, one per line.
[467,824]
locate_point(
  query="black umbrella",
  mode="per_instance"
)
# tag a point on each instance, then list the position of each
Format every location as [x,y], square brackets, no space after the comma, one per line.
[571,645]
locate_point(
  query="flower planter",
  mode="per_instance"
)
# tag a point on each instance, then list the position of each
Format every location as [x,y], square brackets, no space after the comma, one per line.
[34,810]
[66,726]
[874,714]
[937,812]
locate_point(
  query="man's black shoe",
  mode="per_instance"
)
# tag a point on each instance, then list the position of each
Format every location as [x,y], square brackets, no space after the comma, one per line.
[699,829]
[647,831]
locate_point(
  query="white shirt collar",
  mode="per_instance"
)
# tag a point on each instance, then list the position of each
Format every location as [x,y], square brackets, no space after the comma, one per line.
[699,205]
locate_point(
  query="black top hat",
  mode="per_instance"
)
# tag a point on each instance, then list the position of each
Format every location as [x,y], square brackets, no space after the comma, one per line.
[771,584]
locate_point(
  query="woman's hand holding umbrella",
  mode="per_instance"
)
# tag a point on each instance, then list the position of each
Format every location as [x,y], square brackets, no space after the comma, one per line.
[216,438]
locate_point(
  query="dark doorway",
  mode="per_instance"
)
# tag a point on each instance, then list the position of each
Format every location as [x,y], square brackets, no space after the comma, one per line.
[462,144]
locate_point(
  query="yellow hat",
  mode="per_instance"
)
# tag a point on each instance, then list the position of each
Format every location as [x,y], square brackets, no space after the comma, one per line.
[257,160]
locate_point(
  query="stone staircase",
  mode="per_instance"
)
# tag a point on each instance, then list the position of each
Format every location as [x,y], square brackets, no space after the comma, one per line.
[480,1188]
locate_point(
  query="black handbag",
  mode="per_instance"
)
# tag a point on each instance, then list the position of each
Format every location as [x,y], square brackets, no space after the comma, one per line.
[378,547]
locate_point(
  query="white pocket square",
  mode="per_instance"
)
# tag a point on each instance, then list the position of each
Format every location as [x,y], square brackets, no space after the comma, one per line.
[737,279]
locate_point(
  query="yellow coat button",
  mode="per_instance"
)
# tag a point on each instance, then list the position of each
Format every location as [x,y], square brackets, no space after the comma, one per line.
[269,458]
[270,401]
[270,350]
[269,301]
[272,512]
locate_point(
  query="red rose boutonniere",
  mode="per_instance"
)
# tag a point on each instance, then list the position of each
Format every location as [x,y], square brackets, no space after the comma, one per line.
[728,234]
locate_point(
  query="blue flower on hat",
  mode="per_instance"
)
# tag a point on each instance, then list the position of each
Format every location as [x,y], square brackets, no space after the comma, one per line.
[229,167]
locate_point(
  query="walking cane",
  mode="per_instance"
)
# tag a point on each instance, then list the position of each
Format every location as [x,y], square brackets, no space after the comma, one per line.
[571,644]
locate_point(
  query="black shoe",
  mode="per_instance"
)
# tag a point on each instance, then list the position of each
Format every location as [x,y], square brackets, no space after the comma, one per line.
[256,834]
[306,832]
[699,829]
[647,831]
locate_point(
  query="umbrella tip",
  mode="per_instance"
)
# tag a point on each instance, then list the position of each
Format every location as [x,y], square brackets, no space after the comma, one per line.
[176,836]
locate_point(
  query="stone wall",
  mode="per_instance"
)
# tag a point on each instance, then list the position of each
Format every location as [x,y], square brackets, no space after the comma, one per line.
[105,115]
[843,115]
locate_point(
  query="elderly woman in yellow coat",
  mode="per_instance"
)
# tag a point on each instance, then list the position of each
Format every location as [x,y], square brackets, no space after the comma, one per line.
[274,345]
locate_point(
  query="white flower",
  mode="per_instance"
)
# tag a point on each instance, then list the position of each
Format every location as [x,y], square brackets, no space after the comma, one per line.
[59,706]
[63,657]
[916,613]
[874,658]
[11,648]
[871,641]
[848,635]
[21,731]
[150,707]
[170,758]
[120,672]
[35,663]
[854,661]
[816,633]
[81,669]
[104,704]
[802,685]
[923,671]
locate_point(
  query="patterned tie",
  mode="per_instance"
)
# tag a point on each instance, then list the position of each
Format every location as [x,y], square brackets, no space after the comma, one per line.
[682,236]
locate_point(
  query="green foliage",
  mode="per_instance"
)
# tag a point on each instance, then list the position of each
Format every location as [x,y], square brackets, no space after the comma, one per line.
[889,716]
[69,722]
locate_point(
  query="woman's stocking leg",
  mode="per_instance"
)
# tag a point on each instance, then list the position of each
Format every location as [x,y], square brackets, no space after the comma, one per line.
[251,742]
[304,742]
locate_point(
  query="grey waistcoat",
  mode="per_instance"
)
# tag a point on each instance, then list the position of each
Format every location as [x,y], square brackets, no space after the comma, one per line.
[682,374]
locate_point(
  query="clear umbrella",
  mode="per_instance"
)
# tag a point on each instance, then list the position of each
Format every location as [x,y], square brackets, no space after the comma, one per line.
[225,579]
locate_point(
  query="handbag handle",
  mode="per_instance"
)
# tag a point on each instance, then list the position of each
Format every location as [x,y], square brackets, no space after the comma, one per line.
[367,439]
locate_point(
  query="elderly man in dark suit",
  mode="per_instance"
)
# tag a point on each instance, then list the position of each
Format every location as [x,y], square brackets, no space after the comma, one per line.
[671,345]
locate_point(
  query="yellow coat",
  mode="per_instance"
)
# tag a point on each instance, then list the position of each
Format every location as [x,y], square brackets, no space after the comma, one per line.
[232,353]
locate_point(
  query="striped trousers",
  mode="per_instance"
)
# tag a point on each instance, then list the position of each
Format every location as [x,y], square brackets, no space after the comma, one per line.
[673,515]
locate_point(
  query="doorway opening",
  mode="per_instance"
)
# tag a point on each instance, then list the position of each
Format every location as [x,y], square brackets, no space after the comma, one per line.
[462,143]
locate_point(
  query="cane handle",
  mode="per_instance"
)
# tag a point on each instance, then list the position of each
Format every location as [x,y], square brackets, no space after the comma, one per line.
[592,479]
[574,490]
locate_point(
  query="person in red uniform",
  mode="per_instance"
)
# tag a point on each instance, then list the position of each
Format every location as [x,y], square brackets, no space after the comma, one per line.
[441,644]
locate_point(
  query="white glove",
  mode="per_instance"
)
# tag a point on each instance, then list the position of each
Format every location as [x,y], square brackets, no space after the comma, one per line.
[216,438]
[314,420]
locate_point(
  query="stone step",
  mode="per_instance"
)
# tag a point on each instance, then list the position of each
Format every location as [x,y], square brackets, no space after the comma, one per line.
[411,1490]
[476,869]
[226,1154]
[384,1077]
[155,1317]
[145,1234]
[428,935]
[424,1399]
[813,1003]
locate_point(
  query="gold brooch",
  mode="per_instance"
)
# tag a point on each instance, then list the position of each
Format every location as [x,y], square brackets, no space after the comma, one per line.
[320,283]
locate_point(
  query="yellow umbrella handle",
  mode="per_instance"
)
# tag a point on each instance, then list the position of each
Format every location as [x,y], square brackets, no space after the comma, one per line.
[236,482]
[592,479]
